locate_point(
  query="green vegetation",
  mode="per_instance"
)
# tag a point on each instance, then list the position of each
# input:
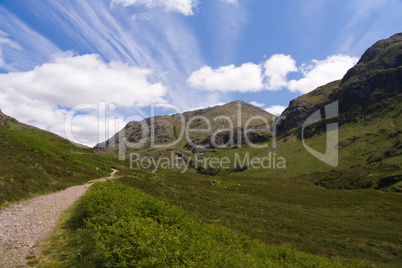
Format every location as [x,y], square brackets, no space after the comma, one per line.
[118,226]
[34,161]
[362,225]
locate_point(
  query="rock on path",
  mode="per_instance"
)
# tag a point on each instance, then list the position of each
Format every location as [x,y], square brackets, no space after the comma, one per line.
[25,224]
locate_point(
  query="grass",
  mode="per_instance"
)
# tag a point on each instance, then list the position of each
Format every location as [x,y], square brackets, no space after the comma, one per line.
[362,225]
[118,226]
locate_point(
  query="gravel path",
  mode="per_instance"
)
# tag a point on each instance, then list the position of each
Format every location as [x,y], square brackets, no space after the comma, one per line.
[25,224]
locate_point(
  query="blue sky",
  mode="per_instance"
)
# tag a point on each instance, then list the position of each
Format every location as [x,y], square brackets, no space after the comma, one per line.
[125,55]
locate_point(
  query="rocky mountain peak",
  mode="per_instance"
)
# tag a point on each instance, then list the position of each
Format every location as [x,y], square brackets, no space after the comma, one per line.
[384,54]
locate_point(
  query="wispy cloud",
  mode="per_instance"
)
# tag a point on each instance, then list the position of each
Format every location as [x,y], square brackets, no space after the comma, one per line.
[93,25]
[157,40]
[230,1]
[228,23]
[6,43]
[25,48]
[367,22]
[182,6]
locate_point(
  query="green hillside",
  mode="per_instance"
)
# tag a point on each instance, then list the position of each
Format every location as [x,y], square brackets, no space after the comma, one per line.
[33,161]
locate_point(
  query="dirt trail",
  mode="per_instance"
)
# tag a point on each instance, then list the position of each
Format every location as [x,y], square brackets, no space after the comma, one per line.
[25,224]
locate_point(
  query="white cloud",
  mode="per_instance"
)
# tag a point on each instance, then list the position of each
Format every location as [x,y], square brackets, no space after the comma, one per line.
[322,72]
[276,109]
[257,104]
[272,75]
[43,96]
[182,6]
[276,69]
[246,78]
[69,80]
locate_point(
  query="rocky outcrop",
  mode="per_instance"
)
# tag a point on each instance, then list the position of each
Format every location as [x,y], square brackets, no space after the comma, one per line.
[4,118]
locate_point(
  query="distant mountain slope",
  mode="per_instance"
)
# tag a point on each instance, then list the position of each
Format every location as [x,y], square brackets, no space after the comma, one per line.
[34,161]
[167,129]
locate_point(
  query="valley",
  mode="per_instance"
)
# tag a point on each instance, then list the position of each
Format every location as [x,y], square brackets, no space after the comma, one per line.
[319,186]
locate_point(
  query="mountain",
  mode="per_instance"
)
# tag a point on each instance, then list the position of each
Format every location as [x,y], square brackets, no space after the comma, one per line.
[206,130]
[33,161]
[365,89]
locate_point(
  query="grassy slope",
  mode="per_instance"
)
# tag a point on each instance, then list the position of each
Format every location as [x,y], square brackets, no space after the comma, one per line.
[34,161]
